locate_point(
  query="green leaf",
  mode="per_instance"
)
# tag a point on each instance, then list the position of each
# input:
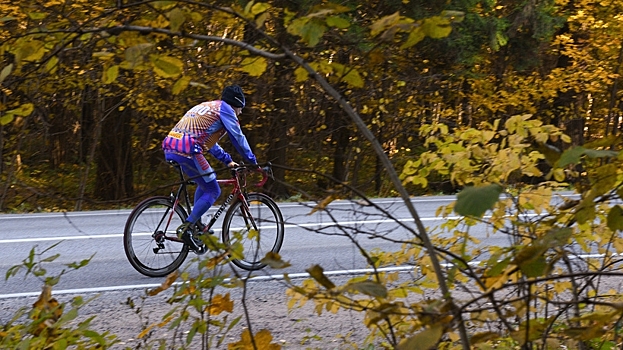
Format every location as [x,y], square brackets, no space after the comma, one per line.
[5,72]
[37,15]
[551,153]
[6,119]
[12,271]
[371,288]
[475,201]
[259,7]
[104,55]
[534,267]
[498,268]
[425,340]
[337,22]
[181,85]
[255,66]
[30,51]
[312,32]
[23,110]
[111,74]
[164,4]
[134,55]
[615,218]
[176,19]
[596,153]
[416,35]
[167,66]
[573,155]
[437,27]
[82,263]
[570,156]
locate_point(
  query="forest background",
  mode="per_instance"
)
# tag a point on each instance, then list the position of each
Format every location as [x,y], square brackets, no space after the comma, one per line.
[453,94]
[88,91]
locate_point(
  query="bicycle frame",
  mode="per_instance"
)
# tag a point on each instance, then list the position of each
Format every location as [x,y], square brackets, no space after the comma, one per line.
[238,181]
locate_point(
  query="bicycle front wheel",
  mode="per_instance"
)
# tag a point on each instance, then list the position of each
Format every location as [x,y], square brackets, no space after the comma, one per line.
[253,231]
[149,238]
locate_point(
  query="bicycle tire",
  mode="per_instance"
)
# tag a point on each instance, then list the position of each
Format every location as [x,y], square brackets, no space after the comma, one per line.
[149,219]
[271,229]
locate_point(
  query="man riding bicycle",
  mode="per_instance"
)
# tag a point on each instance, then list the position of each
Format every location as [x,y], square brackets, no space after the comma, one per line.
[198,130]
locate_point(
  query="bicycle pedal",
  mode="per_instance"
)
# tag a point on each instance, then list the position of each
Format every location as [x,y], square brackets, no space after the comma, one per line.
[193,243]
[201,233]
[202,250]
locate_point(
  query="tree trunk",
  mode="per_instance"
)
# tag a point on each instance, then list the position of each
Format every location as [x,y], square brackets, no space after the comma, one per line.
[114,158]
[340,137]
[278,135]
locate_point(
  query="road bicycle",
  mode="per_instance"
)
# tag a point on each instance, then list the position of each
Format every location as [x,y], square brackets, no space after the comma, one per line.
[253,220]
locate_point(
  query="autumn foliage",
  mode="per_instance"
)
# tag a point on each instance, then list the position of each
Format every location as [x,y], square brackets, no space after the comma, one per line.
[503,103]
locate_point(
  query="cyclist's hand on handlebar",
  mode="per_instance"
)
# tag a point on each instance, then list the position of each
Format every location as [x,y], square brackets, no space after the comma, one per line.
[232,164]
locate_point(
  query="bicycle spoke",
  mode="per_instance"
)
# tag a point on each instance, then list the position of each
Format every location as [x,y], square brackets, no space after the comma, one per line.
[147,238]
[257,229]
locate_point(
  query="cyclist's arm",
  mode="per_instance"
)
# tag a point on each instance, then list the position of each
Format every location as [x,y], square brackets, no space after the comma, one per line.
[219,153]
[232,125]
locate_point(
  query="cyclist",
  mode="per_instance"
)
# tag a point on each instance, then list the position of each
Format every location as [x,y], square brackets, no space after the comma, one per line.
[198,130]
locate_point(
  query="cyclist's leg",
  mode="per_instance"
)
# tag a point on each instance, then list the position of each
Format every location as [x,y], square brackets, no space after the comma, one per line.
[208,189]
[206,194]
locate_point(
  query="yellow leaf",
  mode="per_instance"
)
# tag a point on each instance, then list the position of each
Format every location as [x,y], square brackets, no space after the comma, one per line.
[219,304]
[317,273]
[417,34]
[43,306]
[559,174]
[167,66]
[425,340]
[300,74]
[255,66]
[103,55]
[145,331]
[274,260]
[23,110]
[181,85]
[51,66]
[323,204]
[5,72]
[383,23]
[437,27]
[353,78]
[111,74]
[259,7]
[30,51]
[172,277]
[262,341]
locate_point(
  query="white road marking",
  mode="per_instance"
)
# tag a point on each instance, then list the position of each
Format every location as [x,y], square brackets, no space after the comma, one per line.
[256,278]
[120,235]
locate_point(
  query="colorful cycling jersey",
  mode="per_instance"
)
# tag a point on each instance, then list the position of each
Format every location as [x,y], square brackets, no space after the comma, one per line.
[202,126]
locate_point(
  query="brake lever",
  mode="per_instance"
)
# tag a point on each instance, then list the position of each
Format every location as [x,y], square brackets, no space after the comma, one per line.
[269,171]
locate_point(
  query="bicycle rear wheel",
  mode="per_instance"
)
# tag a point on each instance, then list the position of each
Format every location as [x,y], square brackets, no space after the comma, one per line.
[258,229]
[149,238]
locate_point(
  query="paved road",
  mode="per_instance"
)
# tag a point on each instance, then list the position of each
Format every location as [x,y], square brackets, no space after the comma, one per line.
[309,239]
